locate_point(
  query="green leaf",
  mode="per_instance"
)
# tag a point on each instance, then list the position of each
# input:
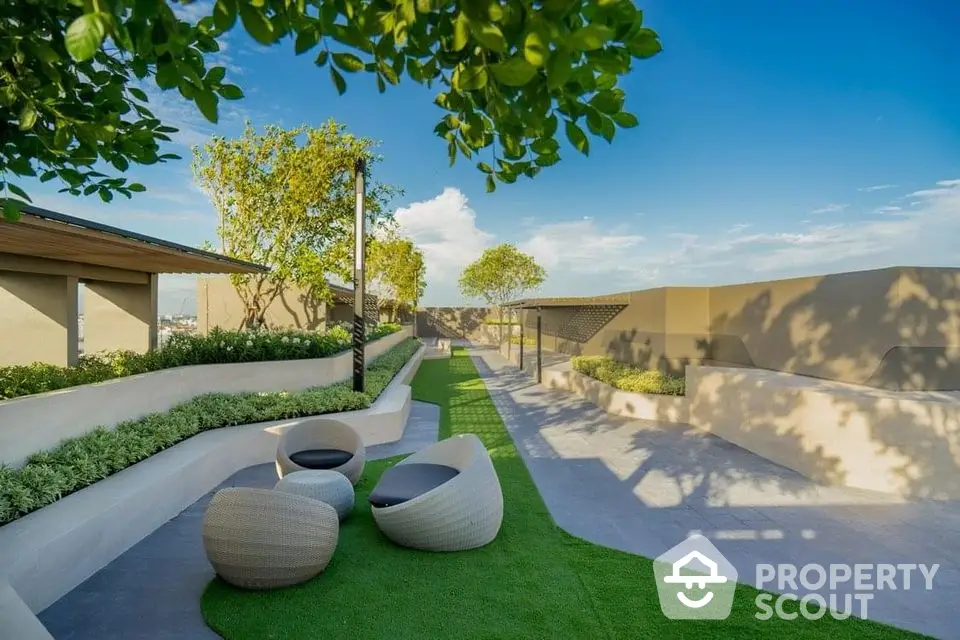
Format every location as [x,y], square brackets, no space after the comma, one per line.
[136,187]
[483,166]
[490,36]
[225,14]
[381,85]
[167,76]
[18,191]
[85,35]
[215,75]
[138,94]
[645,44]
[544,146]
[606,81]
[625,120]
[106,195]
[306,40]
[461,32]
[558,8]
[590,37]
[514,72]
[491,184]
[322,58]
[230,92]
[608,102]
[577,138]
[547,160]
[607,130]
[469,79]
[11,209]
[559,69]
[28,117]
[207,103]
[550,126]
[256,23]
[348,62]
[535,49]
[338,80]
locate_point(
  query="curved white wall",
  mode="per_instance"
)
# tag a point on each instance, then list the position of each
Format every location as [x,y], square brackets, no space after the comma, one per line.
[39,422]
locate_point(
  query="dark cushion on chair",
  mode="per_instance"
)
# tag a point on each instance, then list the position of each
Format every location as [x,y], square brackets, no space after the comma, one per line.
[321,458]
[407,481]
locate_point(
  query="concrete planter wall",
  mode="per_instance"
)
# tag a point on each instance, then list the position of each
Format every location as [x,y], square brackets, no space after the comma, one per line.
[644,406]
[903,443]
[47,553]
[39,422]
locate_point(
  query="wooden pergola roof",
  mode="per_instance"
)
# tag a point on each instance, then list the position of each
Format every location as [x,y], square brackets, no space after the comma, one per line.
[55,236]
[614,299]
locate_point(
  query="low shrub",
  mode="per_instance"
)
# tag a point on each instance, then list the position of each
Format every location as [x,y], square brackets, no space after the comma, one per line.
[527,342]
[79,462]
[627,377]
[182,349]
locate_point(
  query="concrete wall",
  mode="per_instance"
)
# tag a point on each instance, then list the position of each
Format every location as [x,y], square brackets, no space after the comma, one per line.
[219,305]
[463,323]
[896,328]
[39,422]
[38,313]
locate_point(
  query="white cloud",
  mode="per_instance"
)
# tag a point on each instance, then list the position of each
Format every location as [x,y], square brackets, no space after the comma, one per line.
[830,208]
[581,248]
[887,210]
[737,228]
[877,187]
[445,229]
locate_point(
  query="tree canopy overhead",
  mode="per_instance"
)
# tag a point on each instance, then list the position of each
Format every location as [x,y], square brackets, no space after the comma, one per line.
[514,76]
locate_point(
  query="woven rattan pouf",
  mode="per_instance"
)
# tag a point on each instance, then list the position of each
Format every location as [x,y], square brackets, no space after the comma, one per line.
[331,487]
[262,539]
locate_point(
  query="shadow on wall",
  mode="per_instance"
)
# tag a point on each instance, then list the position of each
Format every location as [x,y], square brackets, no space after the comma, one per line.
[452,322]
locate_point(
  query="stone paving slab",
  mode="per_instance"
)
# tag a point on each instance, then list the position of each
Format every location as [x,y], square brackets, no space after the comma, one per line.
[152,592]
[642,487]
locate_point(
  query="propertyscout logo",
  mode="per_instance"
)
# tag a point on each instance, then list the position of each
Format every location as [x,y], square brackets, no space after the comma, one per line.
[695,582]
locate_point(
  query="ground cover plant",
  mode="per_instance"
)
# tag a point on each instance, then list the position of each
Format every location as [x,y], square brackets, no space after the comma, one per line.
[628,377]
[218,347]
[79,462]
[533,581]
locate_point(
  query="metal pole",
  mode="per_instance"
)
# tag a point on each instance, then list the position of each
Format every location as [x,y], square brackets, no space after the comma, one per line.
[520,312]
[509,333]
[359,328]
[539,345]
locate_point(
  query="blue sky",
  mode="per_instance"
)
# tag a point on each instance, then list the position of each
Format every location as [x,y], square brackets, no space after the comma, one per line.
[776,139]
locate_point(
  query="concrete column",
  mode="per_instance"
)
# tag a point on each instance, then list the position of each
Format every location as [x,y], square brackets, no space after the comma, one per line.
[120,316]
[38,318]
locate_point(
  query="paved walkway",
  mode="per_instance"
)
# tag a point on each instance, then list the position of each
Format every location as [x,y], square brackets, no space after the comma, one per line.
[642,487]
[152,592]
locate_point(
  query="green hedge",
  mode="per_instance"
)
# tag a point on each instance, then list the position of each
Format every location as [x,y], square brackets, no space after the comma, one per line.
[527,342]
[79,462]
[627,377]
[217,347]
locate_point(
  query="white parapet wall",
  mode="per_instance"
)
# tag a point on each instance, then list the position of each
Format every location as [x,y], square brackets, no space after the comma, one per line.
[49,552]
[39,422]
[902,443]
[905,443]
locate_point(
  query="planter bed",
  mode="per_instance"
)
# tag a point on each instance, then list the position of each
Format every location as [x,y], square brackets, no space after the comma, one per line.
[39,422]
[45,554]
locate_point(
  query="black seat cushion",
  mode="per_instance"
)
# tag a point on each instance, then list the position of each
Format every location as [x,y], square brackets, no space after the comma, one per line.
[321,458]
[407,481]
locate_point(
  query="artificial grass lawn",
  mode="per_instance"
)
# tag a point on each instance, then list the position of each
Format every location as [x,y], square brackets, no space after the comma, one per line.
[533,581]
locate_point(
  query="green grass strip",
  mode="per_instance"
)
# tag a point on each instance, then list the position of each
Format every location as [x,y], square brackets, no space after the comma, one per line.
[533,581]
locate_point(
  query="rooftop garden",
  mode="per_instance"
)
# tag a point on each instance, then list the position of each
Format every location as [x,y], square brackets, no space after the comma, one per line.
[218,347]
[79,462]
[533,581]
[628,377]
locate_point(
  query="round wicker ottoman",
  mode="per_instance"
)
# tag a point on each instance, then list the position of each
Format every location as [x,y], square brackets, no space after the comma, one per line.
[262,539]
[331,487]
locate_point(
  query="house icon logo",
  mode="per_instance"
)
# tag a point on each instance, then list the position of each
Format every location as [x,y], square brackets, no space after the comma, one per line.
[695,581]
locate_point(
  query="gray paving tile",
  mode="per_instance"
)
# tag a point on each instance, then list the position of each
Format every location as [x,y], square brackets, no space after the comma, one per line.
[642,486]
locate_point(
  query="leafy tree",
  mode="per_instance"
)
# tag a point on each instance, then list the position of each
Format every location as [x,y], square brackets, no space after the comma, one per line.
[286,200]
[501,274]
[512,75]
[395,273]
